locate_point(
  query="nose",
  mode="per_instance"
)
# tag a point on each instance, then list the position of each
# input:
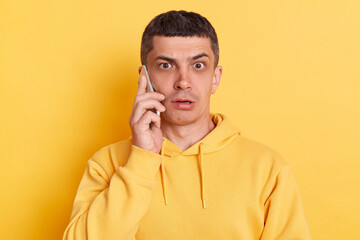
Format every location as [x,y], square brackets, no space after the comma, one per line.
[183,80]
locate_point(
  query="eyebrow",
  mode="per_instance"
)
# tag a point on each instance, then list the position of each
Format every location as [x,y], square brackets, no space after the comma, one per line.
[172,60]
[165,58]
[199,56]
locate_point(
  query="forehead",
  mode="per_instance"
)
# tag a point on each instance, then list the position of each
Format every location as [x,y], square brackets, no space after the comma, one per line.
[178,47]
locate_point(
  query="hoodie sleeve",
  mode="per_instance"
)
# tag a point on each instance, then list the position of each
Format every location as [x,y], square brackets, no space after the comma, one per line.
[284,215]
[110,206]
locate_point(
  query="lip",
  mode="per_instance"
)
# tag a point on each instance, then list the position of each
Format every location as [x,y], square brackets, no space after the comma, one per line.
[180,99]
[183,103]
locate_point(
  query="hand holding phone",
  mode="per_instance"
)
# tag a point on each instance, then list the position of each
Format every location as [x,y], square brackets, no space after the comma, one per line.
[145,118]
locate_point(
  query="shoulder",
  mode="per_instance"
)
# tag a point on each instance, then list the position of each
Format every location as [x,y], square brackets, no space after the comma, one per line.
[113,155]
[265,165]
[258,154]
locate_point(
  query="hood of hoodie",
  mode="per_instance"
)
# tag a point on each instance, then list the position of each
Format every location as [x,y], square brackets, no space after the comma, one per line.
[223,134]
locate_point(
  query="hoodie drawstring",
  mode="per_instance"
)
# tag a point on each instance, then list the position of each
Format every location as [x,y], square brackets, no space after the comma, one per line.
[202,176]
[201,146]
[162,167]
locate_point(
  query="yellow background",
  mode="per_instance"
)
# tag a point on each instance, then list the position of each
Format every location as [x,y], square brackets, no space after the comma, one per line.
[69,75]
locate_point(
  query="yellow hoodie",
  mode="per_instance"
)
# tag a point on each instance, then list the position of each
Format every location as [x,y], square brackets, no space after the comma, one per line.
[223,187]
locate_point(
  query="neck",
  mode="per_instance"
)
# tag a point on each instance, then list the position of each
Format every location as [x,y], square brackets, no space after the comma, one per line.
[184,136]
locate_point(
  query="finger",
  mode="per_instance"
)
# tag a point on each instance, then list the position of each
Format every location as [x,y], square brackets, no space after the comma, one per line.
[142,107]
[144,122]
[149,95]
[142,85]
[157,123]
[142,98]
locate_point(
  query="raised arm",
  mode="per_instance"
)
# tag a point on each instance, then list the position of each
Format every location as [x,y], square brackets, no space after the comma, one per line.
[111,206]
[111,201]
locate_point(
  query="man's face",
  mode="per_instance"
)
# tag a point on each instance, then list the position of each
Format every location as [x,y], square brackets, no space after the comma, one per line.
[182,68]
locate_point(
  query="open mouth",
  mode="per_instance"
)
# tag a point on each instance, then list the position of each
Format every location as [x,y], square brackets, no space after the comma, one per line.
[183,103]
[183,100]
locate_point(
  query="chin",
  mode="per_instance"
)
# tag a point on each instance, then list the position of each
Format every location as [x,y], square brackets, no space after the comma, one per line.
[179,117]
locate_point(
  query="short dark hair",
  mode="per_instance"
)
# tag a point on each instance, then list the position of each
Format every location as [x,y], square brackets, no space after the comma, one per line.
[178,24]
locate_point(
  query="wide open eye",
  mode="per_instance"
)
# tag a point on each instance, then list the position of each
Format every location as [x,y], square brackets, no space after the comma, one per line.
[199,65]
[165,65]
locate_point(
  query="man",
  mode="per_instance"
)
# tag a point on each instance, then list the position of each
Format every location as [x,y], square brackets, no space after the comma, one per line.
[186,174]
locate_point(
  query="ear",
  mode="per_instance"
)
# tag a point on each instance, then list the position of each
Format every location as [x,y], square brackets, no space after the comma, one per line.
[216,78]
[140,69]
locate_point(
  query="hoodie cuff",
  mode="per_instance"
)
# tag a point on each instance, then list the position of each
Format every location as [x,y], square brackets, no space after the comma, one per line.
[143,163]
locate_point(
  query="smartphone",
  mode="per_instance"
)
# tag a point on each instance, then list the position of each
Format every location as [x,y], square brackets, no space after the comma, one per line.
[150,87]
